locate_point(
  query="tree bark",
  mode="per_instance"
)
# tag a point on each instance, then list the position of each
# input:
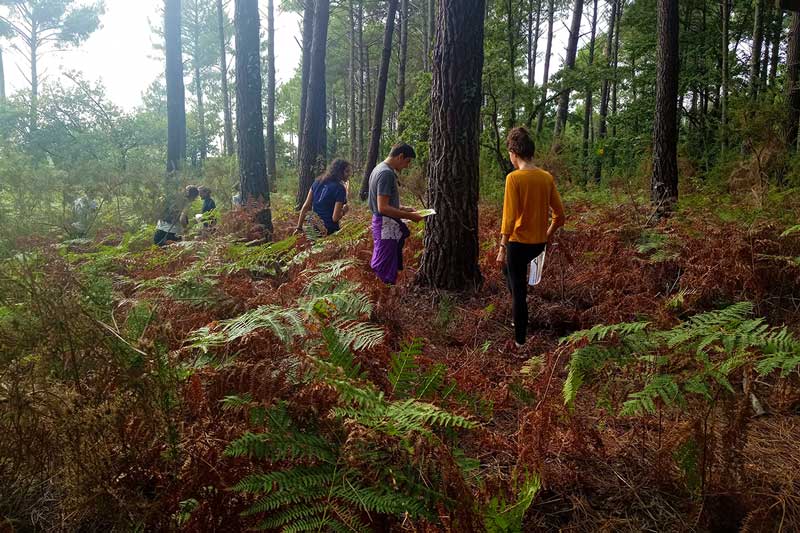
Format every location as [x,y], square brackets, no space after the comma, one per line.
[569,65]
[249,118]
[2,80]
[362,96]
[723,125]
[587,111]
[401,68]
[547,53]
[664,184]
[313,150]
[776,45]
[229,147]
[533,41]
[755,55]
[450,258]
[602,128]
[272,170]
[176,97]
[431,31]
[793,83]
[511,35]
[308,37]
[380,99]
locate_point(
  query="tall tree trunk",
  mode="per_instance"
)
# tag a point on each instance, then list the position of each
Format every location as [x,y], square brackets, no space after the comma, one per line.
[314,147]
[309,8]
[569,65]
[723,126]
[547,53]
[362,92]
[334,144]
[230,148]
[176,97]
[431,31]
[793,83]
[533,35]
[587,111]
[380,99]
[511,35]
[272,170]
[353,89]
[450,258]
[198,86]
[755,56]
[249,118]
[615,84]
[2,80]
[776,44]
[602,128]
[664,184]
[401,68]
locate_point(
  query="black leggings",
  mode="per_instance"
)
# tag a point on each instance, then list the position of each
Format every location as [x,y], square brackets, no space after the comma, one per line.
[518,256]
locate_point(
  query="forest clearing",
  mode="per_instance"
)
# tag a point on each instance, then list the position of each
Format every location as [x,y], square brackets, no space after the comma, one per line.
[218,311]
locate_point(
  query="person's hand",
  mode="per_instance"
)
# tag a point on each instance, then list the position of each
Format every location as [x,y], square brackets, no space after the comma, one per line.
[414,217]
[345,209]
[408,209]
[501,256]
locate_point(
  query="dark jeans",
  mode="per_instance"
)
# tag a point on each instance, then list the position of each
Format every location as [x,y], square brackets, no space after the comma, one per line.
[518,256]
[162,238]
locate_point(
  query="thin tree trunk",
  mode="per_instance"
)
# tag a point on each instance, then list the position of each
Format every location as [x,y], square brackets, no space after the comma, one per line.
[272,170]
[314,129]
[587,112]
[198,87]
[723,126]
[450,257]
[431,31]
[615,84]
[664,184]
[426,36]
[401,68]
[547,53]
[793,83]
[755,55]
[569,65]
[352,110]
[362,93]
[776,44]
[511,35]
[230,148]
[176,98]
[2,80]
[380,99]
[334,144]
[604,93]
[309,8]
[249,118]
[535,46]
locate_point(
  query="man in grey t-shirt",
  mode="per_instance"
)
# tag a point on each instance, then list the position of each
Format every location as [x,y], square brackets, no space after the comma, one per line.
[388,230]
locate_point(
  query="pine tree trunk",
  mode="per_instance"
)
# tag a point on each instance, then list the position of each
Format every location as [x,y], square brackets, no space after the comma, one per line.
[198,87]
[230,148]
[615,84]
[664,184]
[587,111]
[176,98]
[793,83]
[755,56]
[353,82]
[511,35]
[401,68]
[334,144]
[380,99]
[272,170]
[602,128]
[450,257]
[431,32]
[2,79]
[776,45]
[534,46]
[547,53]
[362,92]
[249,118]
[723,126]
[309,8]
[569,65]
[314,147]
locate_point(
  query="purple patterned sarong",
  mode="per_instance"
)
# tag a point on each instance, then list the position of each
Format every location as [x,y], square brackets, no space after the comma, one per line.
[389,236]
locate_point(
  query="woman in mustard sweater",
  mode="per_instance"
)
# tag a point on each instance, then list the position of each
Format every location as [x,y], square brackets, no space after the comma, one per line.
[530,196]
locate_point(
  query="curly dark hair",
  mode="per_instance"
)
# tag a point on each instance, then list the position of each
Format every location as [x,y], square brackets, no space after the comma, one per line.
[519,142]
[336,171]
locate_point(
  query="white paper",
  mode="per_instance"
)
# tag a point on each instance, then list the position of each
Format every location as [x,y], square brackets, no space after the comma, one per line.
[537,265]
[426,212]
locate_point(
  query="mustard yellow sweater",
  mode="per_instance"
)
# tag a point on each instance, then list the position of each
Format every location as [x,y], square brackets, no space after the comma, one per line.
[529,197]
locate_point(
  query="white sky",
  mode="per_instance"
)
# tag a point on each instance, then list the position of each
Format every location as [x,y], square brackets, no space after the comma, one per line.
[121,54]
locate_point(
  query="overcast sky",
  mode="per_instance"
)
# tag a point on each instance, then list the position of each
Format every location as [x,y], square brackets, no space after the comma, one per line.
[121,54]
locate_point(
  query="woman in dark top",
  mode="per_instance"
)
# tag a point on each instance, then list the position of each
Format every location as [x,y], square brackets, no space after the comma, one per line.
[327,199]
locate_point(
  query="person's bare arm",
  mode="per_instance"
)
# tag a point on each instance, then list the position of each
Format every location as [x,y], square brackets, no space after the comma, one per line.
[303,210]
[339,210]
[387,210]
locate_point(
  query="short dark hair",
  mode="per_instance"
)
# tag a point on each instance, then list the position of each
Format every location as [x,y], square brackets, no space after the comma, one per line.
[519,142]
[403,149]
[191,191]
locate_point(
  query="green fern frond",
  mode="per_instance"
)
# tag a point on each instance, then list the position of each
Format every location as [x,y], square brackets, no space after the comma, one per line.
[602,331]
[790,231]
[661,386]
[236,401]
[297,478]
[288,515]
[372,499]
[342,301]
[403,371]
[278,499]
[359,335]
[339,354]
[431,381]
[285,324]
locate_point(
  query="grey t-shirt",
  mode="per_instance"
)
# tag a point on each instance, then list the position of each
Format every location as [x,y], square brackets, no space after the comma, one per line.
[383,181]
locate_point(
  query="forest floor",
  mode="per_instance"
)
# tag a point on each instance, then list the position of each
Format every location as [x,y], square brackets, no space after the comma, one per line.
[599,471]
